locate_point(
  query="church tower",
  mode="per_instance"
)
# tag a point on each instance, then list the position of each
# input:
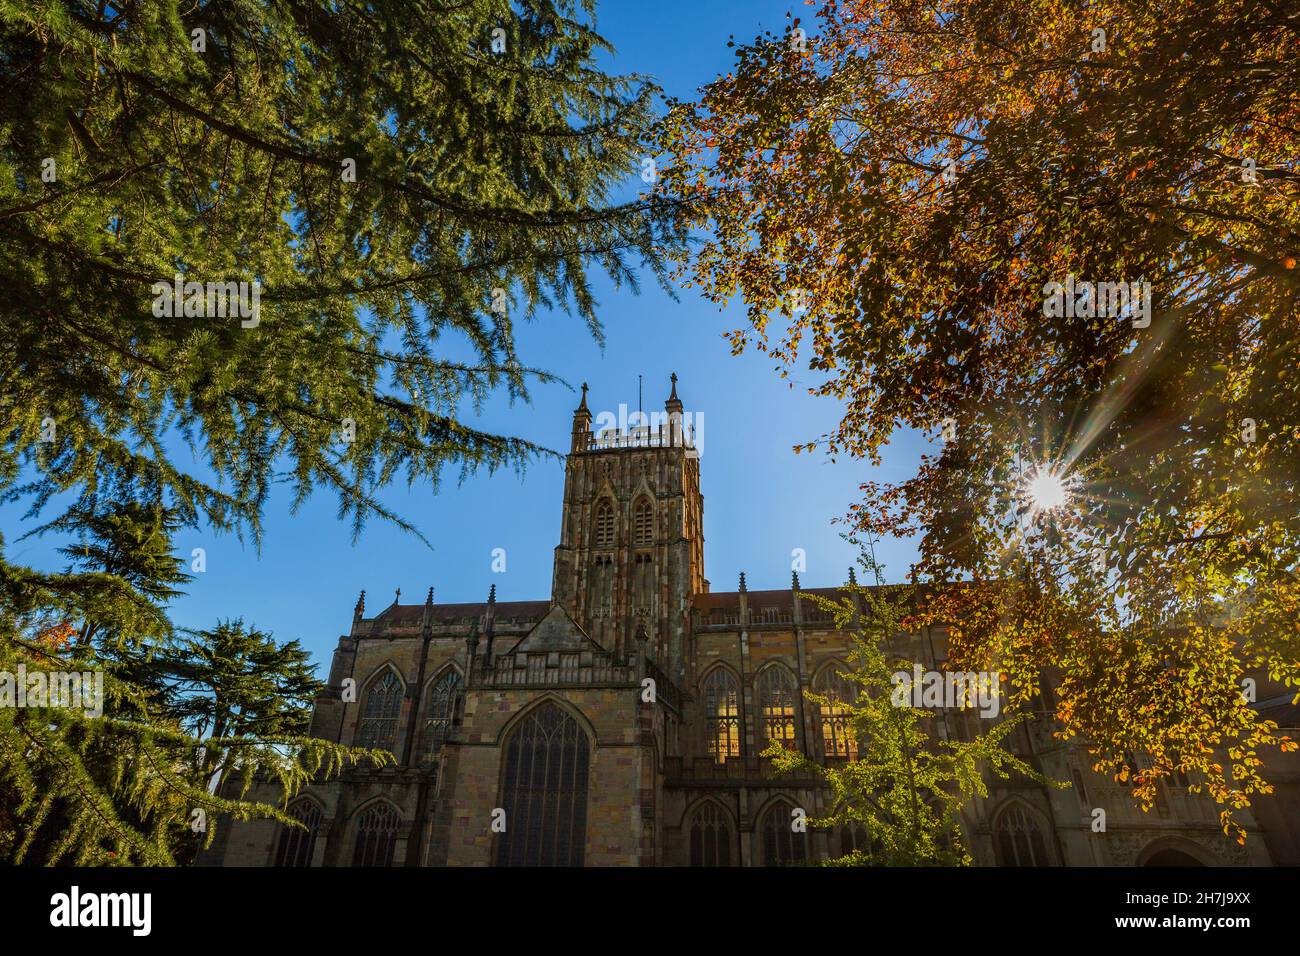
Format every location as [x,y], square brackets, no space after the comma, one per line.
[631,551]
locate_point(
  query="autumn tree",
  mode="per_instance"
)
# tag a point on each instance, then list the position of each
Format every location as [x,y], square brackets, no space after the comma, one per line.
[933,206]
[906,786]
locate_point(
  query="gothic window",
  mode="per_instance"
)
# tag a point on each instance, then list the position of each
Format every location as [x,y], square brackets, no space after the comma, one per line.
[383,704]
[781,844]
[853,839]
[643,522]
[296,844]
[376,836]
[721,695]
[604,525]
[1019,839]
[777,699]
[834,716]
[544,791]
[710,837]
[441,711]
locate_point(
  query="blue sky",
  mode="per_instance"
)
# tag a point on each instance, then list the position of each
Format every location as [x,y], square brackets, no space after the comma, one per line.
[761,500]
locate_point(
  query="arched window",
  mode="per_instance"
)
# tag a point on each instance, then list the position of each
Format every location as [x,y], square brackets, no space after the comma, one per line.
[853,839]
[782,845]
[721,695]
[710,837]
[383,705]
[643,522]
[296,844]
[834,716]
[377,836]
[544,791]
[777,700]
[1019,839]
[604,525]
[441,711]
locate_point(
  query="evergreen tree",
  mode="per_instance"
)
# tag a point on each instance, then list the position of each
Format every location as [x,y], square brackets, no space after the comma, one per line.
[235,681]
[395,184]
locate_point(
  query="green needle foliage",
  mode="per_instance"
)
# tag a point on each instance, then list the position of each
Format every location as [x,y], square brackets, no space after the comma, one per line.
[906,788]
[129,778]
[219,142]
[236,681]
[397,184]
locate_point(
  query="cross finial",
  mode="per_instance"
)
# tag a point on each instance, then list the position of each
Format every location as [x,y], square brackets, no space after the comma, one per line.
[673,379]
[398,598]
[583,403]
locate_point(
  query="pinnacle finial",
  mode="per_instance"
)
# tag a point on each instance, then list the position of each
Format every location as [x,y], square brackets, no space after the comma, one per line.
[853,577]
[743,589]
[428,600]
[360,609]
[492,595]
[794,580]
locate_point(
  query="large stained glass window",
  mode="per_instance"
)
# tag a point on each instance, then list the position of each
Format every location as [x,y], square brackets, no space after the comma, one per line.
[1019,839]
[834,716]
[777,702]
[721,693]
[544,791]
[782,844]
[383,706]
[296,844]
[377,835]
[711,838]
[440,712]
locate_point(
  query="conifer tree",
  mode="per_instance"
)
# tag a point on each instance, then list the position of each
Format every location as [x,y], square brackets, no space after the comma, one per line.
[247,241]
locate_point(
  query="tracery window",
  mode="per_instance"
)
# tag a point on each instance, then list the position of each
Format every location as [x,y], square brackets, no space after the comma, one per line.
[376,836]
[1019,839]
[777,702]
[441,711]
[782,845]
[297,845]
[544,791]
[721,693]
[604,525]
[383,706]
[853,838]
[834,716]
[711,837]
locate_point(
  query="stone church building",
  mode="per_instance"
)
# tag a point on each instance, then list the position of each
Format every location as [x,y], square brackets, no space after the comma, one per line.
[620,721]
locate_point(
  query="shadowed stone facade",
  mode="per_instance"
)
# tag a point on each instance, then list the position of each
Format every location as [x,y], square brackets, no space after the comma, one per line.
[535,715]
